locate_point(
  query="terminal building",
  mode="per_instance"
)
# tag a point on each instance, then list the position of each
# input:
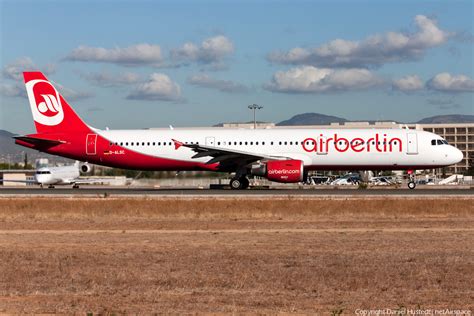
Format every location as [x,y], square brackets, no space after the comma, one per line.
[460,135]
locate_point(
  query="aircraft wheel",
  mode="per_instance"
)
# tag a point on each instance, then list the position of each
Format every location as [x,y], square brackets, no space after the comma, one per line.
[51,186]
[75,186]
[411,185]
[236,184]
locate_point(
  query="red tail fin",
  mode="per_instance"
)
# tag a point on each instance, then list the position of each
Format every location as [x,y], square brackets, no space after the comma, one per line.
[51,113]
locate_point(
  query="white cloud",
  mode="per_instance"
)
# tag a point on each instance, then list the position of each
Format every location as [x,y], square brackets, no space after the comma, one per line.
[70,94]
[105,79]
[203,80]
[211,51]
[12,90]
[446,82]
[375,50]
[19,90]
[15,69]
[408,84]
[159,87]
[309,79]
[136,55]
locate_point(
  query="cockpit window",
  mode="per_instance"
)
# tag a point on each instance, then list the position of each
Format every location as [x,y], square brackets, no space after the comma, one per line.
[445,142]
[440,142]
[43,172]
[433,142]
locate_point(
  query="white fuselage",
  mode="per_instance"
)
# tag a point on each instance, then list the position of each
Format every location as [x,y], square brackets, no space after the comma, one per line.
[318,149]
[57,175]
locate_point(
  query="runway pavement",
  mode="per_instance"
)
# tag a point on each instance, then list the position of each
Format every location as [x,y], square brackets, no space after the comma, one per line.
[134,191]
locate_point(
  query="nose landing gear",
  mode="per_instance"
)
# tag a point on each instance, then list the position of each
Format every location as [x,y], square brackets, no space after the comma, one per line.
[411,179]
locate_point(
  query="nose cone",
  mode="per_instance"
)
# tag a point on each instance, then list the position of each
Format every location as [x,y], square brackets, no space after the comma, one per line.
[457,155]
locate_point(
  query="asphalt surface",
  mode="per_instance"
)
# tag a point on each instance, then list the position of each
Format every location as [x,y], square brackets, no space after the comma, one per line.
[222,192]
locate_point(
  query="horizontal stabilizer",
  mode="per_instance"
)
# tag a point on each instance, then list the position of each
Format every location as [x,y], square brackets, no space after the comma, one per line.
[39,141]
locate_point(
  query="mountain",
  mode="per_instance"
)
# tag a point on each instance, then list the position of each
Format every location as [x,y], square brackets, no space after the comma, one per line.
[10,152]
[7,143]
[312,119]
[250,122]
[450,118]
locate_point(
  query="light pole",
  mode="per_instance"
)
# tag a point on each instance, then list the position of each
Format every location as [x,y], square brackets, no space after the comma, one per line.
[255,107]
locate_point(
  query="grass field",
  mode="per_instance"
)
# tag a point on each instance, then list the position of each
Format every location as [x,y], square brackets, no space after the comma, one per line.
[258,256]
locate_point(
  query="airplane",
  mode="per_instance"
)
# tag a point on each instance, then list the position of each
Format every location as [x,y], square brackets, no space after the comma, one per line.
[280,155]
[63,175]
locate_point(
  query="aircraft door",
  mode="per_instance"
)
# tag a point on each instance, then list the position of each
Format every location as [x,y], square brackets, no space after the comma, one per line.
[412,144]
[210,141]
[91,144]
[321,145]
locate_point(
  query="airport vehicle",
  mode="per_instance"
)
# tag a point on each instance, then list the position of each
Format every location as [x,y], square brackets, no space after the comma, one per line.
[348,179]
[63,175]
[315,180]
[382,181]
[280,155]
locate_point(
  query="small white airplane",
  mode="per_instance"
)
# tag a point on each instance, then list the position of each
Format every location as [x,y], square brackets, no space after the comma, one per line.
[63,175]
[280,155]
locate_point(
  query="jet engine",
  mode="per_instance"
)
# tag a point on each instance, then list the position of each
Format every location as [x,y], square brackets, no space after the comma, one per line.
[85,168]
[284,171]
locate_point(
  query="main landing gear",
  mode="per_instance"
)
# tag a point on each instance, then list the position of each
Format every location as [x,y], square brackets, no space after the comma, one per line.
[239,183]
[411,179]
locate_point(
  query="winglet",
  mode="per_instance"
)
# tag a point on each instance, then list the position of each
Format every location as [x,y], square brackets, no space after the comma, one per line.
[177,144]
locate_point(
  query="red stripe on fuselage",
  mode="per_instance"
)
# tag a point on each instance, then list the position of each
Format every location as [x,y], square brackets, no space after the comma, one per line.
[105,154]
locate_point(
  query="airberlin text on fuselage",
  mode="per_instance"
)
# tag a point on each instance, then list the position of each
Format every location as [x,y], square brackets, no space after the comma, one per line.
[373,144]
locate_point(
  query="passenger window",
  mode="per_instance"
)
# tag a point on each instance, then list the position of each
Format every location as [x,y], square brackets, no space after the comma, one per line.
[153,143]
[263,143]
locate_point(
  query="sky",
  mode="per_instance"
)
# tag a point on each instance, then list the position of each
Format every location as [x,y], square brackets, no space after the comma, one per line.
[139,64]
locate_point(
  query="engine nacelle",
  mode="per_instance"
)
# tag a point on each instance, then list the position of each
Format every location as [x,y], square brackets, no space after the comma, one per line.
[85,168]
[284,171]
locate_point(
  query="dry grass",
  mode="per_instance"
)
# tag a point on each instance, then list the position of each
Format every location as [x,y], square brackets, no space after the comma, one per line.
[231,272]
[209,209]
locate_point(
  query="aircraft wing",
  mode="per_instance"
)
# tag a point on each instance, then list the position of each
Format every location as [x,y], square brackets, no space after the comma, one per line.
[228,159]
[87,181]
[20,181]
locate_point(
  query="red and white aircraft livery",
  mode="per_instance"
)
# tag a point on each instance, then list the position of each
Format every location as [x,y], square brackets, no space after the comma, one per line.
[280,155]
